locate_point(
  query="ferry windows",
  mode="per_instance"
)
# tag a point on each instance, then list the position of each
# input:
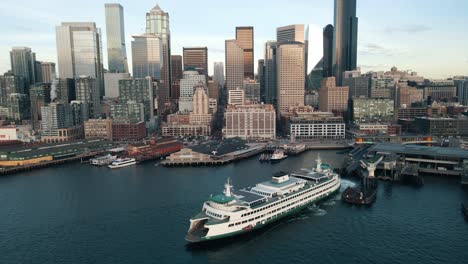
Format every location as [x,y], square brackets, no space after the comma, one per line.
[230,225]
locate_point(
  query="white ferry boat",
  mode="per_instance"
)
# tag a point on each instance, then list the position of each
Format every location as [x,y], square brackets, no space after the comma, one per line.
[233,213]
[120,163]
[278,155]
[103,160]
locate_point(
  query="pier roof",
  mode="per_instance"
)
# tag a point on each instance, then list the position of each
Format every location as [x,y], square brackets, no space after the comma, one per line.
[421,150]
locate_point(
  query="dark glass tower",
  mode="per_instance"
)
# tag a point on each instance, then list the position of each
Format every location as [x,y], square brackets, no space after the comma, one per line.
[345,38]
[245,39]
[328,51]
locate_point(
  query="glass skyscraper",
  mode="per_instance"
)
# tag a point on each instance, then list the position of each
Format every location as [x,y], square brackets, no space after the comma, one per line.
[245,40]
[23,62]
[115,31]
[147,53]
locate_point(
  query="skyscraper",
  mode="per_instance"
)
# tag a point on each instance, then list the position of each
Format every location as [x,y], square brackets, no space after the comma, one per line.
[79,51]
[147,56]
[328,51]
[270,72]
[291,33]
[176,75]
[157,23]
[245,40]
[261,78]
[64,90]
[345,38]
[39,95]
[87,92]
[187,83]
[10,84]
[234,65]
[47,71]
[115,31]
[290,76]
[139,91]
[333,98]
[218,75]
[23,62]
[196,58]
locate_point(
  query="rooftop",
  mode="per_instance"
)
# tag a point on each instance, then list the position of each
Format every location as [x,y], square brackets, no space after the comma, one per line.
[221,199]
[221,147]
[421,150]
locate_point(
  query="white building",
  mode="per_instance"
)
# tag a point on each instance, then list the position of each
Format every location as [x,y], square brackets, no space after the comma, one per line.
[316,125]
[187,83]
[236,97]
[256,122]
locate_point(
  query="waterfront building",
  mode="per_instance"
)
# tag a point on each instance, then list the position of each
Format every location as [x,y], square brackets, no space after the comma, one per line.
[290,76]
[115,31]
[87,91]
[157,23]
[252,91]
[439,90]
[47,72]
[9,85]
[79,51]
[316,125]
[187,84]
[236,97]
[250,122]
[218,75]
[183,130]
[367,110]
[39,96]
[139,91]
[98,128]
[196,59]
[328,43]
[127,130]
[382,87]
[333,98]
[111,83]
[176,75]
[345,38]
[65,91]
[234,65]
[270,73]
[147,52]
[23,63]
[245,40]
[18,107]
[441,126]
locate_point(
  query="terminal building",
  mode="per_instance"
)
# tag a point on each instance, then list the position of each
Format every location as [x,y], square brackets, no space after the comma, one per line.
[316,125]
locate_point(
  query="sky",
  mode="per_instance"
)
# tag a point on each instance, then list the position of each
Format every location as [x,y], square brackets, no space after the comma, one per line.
[426,36]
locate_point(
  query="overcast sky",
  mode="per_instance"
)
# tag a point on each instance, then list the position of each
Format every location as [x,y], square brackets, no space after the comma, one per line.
[427,36]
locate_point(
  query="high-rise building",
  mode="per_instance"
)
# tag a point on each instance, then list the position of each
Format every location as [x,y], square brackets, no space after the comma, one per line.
[316,125]
[252,91]
[55,116]
[37,72]
[358,84]
[328,43]
[314,53]
[382,87]
[10,84]
[47,72]
[291,33]
[245,40]
[290,76]
[213,89]
[234,65]
[236,97]
[345,38]
[250,122]
[111,81]
[187,84]
[407,95]
[23,63]
[439,90]
[128,111]
[79,112]
[147,52]
[176,73]
[79,51]
[333,98]
[218,75]
[39,96]
[115,31]
[261,78]
[64,90]
[139,91]
[370,110]
[196,59]
[462,89]
[18,107]
[87,91]
[200,114]
[157,23]
[270,72]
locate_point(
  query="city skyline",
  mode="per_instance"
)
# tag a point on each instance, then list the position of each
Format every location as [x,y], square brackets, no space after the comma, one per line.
[382,43]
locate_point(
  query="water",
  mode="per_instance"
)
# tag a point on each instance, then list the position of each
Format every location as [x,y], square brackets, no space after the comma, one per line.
[82,214]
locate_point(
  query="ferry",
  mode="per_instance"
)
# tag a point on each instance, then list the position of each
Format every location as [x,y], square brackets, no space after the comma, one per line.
[123,162]
[237,212]
[278,155]
[103,160]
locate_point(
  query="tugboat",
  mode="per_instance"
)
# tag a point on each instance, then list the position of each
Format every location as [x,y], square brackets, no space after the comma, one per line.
[278,156]
[363,196]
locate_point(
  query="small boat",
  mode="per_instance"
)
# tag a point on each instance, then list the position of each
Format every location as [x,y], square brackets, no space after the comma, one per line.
[103,160]
[122,162]
[278,156]
[359,196]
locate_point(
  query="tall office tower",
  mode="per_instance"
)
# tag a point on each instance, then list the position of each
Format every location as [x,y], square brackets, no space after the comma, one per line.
[38,72]
[39,96]
[196,58]
[234,65]
[176,75]
[333,98]
[79,51]
[115,31]
[261,78]
[328,51]
[55,116]
[18,106]
[111,81]
[64,90]
[218,75]
[139,91]
[345,38]
[157,22]
[270,72]
[23,63]
[87,91]
[291,33]
[79,112]
[313,56]
[245,40]
[189,81]
[47,71]
[8,85]
[290,76]
[147,53]
[461,84]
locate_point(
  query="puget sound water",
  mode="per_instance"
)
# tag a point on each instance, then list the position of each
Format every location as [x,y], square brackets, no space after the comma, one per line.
[77,213]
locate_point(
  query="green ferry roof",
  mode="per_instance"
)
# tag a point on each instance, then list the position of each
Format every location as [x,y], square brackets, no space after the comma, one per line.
[221,199]
[326,166]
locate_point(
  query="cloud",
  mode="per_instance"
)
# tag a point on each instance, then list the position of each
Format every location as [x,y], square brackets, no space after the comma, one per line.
[370,49]
[411,29]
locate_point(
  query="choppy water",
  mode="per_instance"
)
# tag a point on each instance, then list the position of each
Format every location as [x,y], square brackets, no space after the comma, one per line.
[82,214]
